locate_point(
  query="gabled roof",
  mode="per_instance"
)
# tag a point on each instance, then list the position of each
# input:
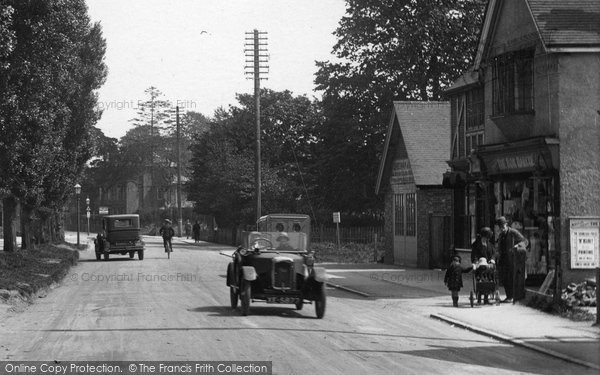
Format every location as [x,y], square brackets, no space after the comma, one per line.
[425,128]
[562,25]
[567,22]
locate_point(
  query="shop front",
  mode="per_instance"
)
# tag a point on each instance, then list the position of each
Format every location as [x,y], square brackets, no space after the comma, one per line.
[519,180]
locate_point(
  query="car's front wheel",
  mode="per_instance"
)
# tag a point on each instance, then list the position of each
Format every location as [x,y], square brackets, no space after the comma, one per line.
[131,254]
[321,302]
[245,297]
[141,254]
[233,296]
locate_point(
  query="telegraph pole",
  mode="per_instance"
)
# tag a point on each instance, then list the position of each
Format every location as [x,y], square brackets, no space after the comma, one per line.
[256,53]
[180,217]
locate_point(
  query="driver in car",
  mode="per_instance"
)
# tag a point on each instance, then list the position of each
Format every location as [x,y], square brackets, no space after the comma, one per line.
[284,242]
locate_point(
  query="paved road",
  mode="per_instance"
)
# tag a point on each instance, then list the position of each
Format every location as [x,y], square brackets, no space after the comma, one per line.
[177,309]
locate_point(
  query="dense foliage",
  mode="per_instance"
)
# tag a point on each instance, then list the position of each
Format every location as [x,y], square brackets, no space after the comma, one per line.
[51,64]
[387,50]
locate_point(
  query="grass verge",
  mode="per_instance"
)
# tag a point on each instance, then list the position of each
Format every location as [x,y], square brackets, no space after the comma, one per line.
[25,273]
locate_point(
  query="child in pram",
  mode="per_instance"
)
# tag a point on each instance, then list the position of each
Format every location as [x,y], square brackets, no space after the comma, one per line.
[484,279]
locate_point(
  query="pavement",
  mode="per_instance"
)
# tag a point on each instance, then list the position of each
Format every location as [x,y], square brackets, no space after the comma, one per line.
[572,341]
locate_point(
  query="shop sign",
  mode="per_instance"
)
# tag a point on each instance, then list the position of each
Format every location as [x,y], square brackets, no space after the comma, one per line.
[103,210]
[584,235]
[516,162]
[401,172]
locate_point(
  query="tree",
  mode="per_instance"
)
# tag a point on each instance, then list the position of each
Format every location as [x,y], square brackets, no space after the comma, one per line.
[388,50]
[222,167]
[47,105]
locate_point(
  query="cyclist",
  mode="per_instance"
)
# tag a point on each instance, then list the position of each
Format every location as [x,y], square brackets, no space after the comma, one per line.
[167,232]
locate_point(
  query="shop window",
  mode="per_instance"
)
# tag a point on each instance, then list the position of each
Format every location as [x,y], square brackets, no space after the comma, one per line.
[512,83]
[399,214]
[411,214]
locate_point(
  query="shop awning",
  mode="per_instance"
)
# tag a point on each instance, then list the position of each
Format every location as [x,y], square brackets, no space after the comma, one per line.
[529,155]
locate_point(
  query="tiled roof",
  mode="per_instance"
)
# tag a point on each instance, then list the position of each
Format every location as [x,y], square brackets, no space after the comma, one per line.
[567,22]
[425,128]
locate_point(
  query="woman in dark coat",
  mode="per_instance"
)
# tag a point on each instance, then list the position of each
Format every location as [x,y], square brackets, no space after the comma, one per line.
[453,278]
[483,246]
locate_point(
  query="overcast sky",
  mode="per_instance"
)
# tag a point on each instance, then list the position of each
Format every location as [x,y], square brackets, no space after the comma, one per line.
[193,50]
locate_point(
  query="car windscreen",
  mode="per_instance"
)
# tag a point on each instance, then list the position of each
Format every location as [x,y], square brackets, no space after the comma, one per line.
[282,241]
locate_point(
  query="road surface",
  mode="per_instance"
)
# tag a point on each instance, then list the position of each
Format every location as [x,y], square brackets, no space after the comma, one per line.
[178,309]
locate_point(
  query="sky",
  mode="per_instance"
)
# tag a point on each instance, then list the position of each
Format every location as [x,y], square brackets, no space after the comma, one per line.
[193,50]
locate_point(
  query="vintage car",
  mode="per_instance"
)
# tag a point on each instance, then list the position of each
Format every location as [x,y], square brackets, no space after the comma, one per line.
[274,265]
[120,235]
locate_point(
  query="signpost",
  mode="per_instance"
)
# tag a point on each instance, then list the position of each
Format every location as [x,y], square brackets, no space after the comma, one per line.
[337,220]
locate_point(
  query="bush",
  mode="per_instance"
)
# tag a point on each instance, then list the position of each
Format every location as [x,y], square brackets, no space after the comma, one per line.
[348,253]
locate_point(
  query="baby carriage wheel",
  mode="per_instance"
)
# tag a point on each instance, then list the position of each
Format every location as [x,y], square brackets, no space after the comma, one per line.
[471,298]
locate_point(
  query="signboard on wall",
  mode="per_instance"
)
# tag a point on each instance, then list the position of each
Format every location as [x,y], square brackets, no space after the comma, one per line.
[584,235]
[103,210]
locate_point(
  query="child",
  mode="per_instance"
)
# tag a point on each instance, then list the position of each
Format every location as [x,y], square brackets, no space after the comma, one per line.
[484,274]
[453,278]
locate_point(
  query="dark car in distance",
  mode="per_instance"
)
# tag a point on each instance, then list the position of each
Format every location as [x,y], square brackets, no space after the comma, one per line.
[274,265]
[120,235]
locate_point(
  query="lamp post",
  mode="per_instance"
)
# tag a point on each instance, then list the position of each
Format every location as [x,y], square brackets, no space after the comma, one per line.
[87,213]
[77,192]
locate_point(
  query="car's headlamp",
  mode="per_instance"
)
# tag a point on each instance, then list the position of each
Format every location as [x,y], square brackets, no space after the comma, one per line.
[309,260]
[243,251]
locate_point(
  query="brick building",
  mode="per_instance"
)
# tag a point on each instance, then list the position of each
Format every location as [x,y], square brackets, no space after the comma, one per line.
[525,135]
[417,207]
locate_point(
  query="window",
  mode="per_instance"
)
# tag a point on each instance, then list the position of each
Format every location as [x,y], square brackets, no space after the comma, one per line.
[122,223]
[399,214]
[475,109]
[473,140]
[411,214]
[512,83]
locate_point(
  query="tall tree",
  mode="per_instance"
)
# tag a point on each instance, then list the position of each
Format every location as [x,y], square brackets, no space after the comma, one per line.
[222,167]
[47,101]
[388,50]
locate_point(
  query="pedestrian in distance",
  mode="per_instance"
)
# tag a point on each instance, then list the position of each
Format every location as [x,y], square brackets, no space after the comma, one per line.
[188,229]
[167,232]
[511,247]
[453,278]
[196,231]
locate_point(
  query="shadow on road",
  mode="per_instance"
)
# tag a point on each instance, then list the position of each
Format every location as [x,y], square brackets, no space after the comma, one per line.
[280,311]
[477,355]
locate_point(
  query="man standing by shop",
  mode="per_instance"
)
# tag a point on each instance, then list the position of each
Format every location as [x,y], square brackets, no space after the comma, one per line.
[511,248]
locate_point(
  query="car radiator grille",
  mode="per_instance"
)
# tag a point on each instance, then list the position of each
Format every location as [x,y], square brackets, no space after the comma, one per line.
[283,275]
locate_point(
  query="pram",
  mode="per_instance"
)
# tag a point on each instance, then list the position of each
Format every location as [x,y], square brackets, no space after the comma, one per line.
[485,284]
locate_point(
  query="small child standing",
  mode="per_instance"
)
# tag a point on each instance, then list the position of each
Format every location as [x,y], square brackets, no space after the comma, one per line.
[453,278]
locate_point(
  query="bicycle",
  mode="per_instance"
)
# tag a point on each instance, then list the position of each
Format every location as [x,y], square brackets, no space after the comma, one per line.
[168,248]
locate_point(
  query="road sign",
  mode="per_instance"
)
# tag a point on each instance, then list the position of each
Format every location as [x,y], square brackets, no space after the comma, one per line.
[336,217]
